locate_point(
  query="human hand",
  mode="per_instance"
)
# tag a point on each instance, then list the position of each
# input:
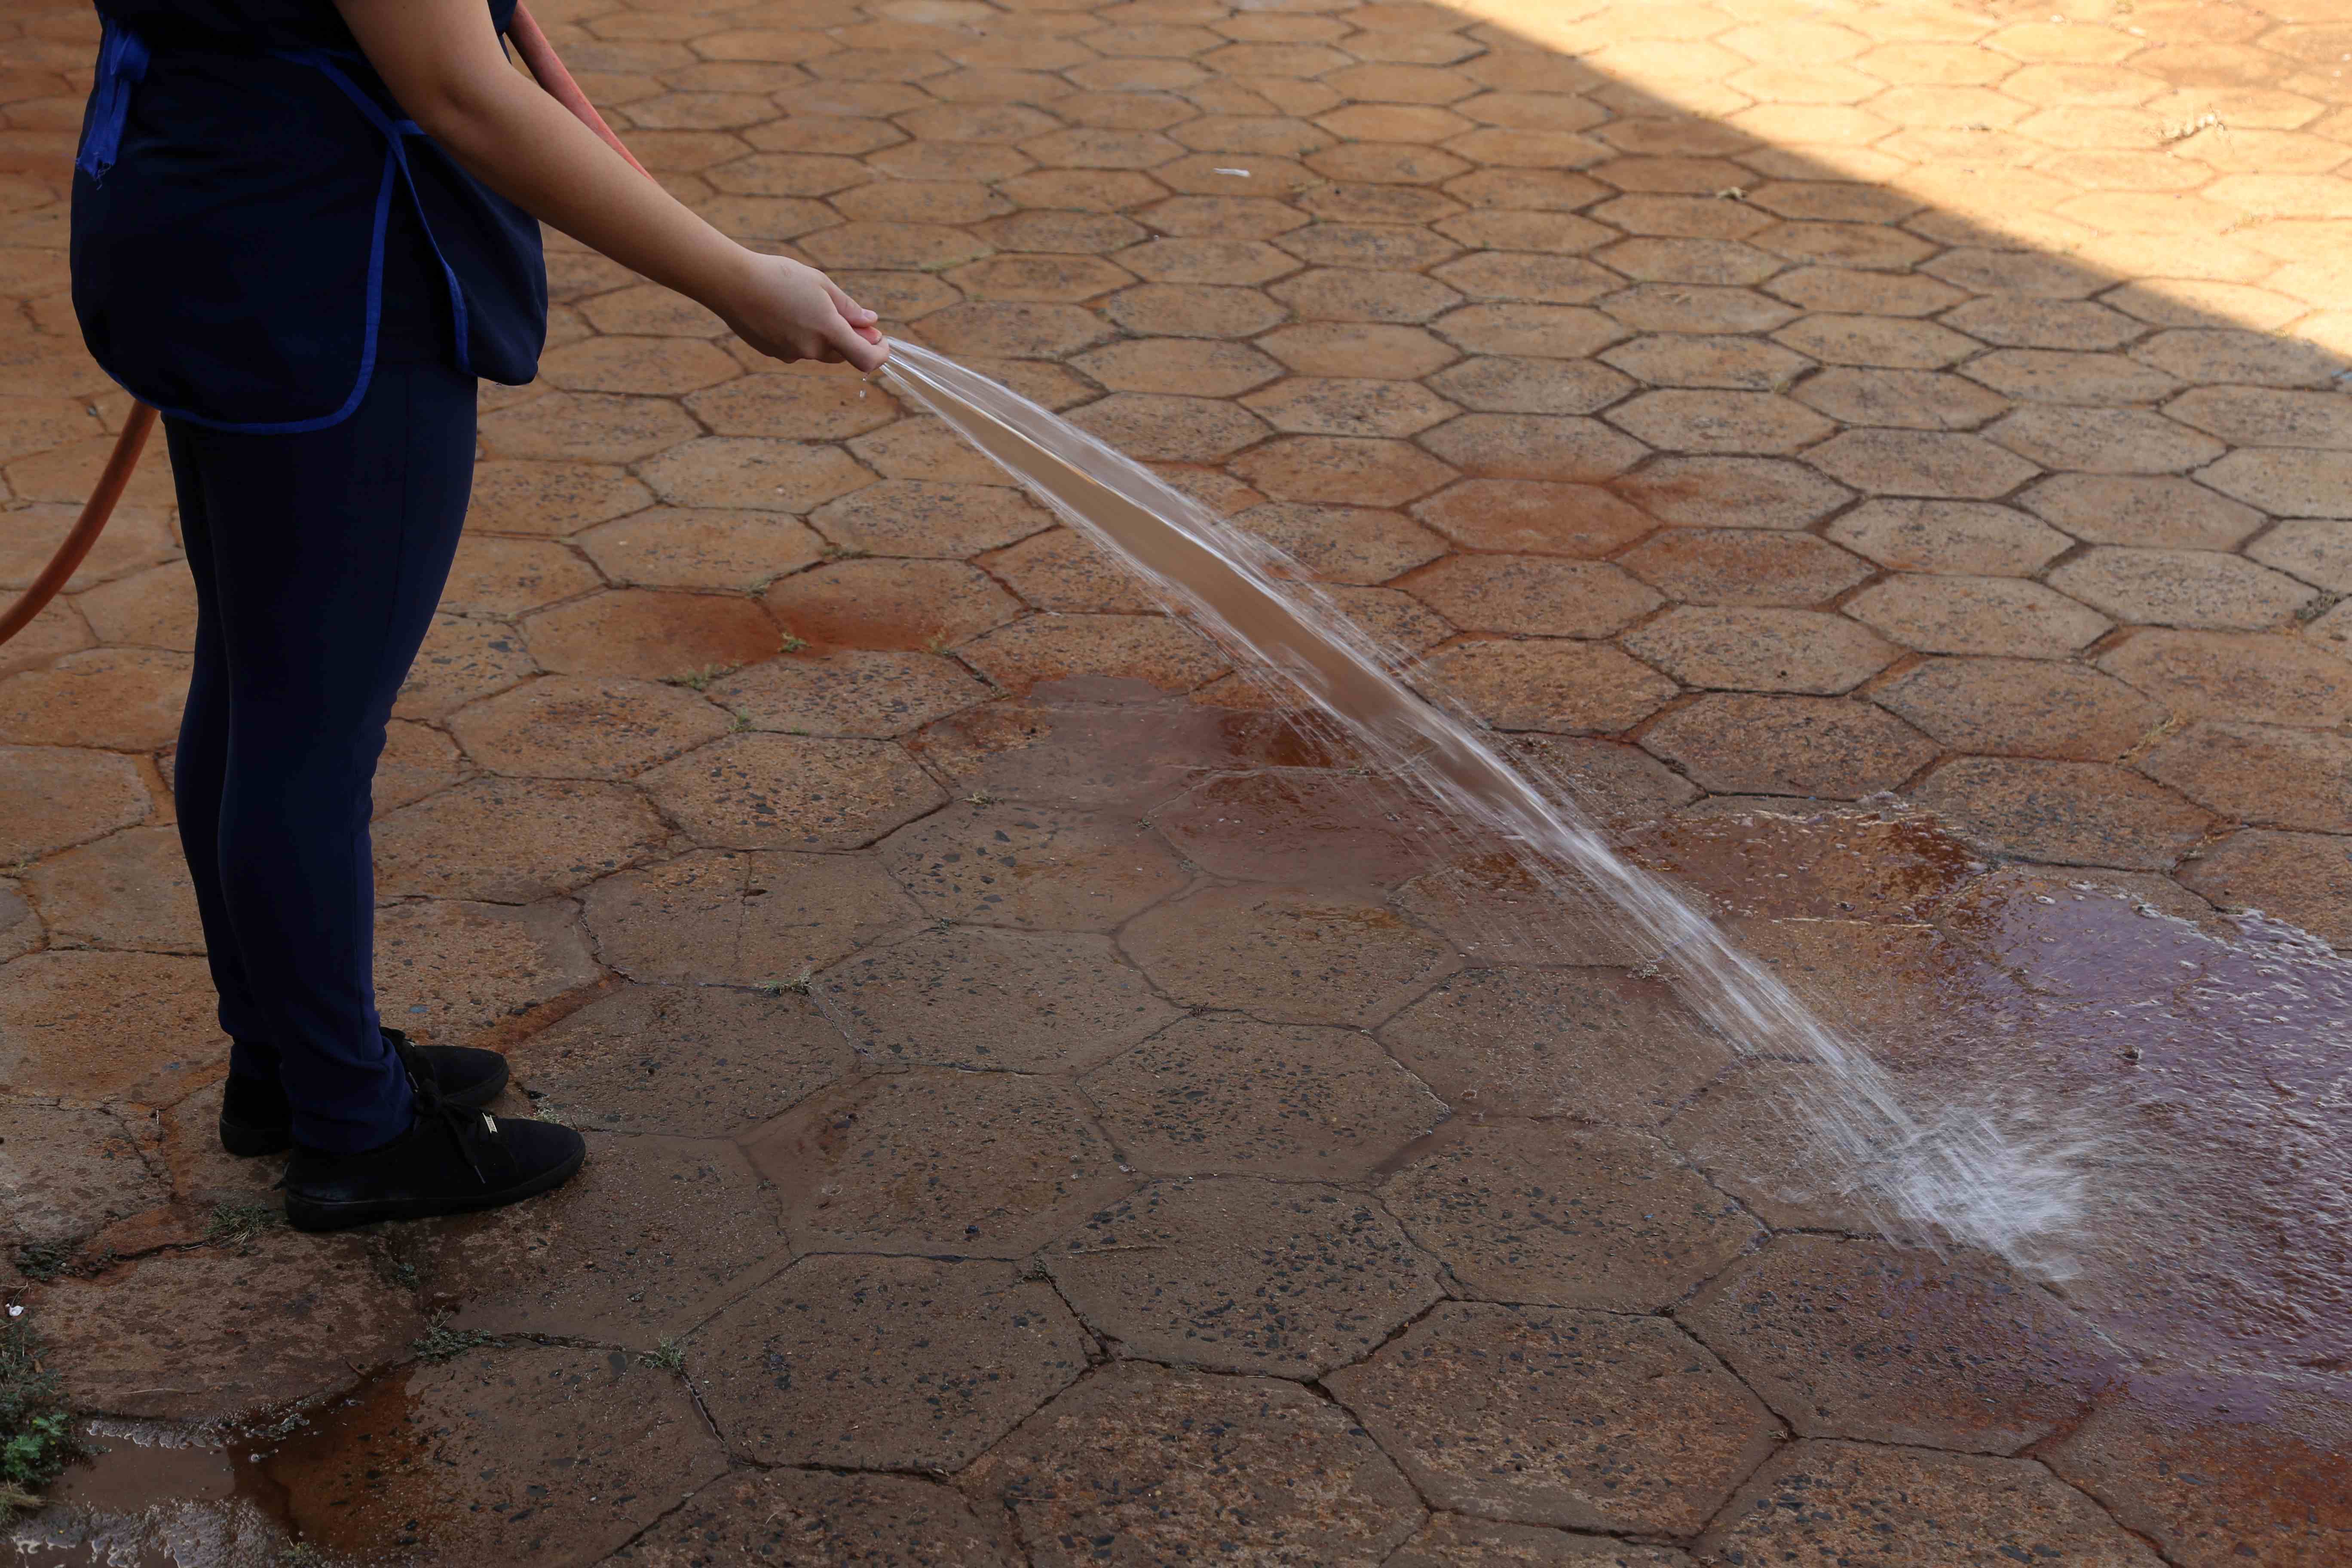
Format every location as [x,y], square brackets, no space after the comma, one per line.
[790,311]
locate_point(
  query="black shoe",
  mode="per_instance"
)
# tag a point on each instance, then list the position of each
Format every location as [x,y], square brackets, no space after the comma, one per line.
[452,1160]
[255,1118]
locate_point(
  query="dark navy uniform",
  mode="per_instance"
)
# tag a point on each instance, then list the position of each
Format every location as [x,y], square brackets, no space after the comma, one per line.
[266,250]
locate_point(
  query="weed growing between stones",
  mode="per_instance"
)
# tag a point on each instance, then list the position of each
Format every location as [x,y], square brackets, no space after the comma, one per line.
[669,1355]
[441,1342]
[235,1223]
[43,1260]
[37,1435]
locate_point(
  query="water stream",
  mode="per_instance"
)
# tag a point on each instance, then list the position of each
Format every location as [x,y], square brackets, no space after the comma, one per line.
[1950,1174]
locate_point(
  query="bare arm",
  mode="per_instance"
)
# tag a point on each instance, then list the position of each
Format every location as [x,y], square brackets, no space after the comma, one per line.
[445,69]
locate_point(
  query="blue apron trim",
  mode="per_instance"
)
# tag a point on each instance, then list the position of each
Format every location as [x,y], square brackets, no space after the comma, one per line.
[121,65]
[122,61]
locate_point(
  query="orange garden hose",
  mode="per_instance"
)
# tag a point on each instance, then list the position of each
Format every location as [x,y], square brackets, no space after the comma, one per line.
[539,55]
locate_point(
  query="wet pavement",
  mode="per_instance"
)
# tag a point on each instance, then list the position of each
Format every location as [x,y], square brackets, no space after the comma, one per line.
[1886,458]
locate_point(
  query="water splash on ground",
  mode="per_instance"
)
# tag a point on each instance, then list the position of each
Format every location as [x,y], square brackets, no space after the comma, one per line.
[1970,1175]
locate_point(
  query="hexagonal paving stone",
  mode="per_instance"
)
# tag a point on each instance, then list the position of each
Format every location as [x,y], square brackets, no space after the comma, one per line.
[1241,947]
[1999,616]
[495,577]
[562,726]
[1678,359]
[64,1172]
[1155,650]
[1732,492]
[1245,1275]
[1743,566]
[1603,1422]
[2022,707]
[939,1162]
[1229,1094]
[1750,1131]
[1921,463]
[1010,864]
[754,1514]
[637,634]
[752,473]
[777,792]
[1566,1216]
[1534,447]
[417,761]
[1750,743]
[979,997]
[123,698]
[1820,1502]
[1357,349]
[216,1332]
[1864,1339]
[1456,1541]
[2259,678]
[1158,427]
[588,426]
[2318,551]
[883,1362]
[2209,1486]
[1908,399]
[88,1026]
[850,693]
[54,797]
[1342,543]
[681,1061]
[1761,649]
[1966,538]
[1063,570]
[650,1237]
[1195,367]
[1501,907]
[534,1456]
[2080,814]
[2148,510]
[700,547]
[2267,775]
[2285,482]
[1349,407]
[1708,421]
[513,840]
[2304,878]
[1143,1465]
[890,604]
[1550,685]
[2103,440]
[919,516]
[131,889]
[461,660]
[1592,1044]
[447,970]
[551,498]
[1304,826]
[1535,594]
[1342,470]
[768,918]
[2193,588]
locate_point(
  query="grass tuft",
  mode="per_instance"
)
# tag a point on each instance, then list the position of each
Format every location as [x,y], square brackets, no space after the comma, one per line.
[669,1355]
[441,1342]
[235,1223]
[36,1435]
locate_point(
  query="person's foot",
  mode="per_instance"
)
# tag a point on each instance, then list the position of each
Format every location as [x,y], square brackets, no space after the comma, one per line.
[453,1158]
[256,1119]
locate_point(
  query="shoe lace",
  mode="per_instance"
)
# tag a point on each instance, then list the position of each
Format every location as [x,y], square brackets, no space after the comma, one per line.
[476,1132]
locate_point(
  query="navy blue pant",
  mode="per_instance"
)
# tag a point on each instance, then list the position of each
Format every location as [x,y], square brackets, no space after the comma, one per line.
[318,560]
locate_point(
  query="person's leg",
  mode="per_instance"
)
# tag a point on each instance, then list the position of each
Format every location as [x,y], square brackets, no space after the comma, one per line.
[197,768]
[329,549]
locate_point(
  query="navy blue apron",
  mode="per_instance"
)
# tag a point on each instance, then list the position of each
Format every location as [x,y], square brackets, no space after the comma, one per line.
[245,194]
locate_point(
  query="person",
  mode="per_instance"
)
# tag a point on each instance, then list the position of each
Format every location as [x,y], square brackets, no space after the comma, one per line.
[303,230]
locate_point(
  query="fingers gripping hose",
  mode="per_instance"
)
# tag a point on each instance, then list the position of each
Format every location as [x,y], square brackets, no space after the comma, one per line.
[538,56]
